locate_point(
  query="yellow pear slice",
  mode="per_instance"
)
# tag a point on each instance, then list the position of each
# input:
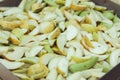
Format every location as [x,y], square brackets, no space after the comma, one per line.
[16,54]
[52,75]
[71,32]
[14,39]
[78,7]
[10,24]
[45,59]
[46,27]
[11,65]
[98,48]
[79,60]
[63,62]
[61,41]
[54,34]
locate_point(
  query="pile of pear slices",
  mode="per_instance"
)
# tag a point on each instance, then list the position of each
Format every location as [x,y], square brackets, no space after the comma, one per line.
[59,40]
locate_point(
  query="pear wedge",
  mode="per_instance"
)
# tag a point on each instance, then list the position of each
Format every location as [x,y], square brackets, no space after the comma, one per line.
[46,27]
[16,54]
[78,7]
[52,75]
[34,51]
[45,59]
[11,65]
[54,62]
[71,33]
[61,41]
[63,62]
[98,48]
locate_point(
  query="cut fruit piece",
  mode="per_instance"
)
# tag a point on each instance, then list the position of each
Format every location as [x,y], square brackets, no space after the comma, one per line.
[75,76]
[22,76]
[34,51]
[30,60]
[52,75]
[27,39]
[71,32]
[89,28]
[60,77]
[54,34]
[63,62]
[14,39]
[78,7]
[54,62]
[79,60]
[37,71]
[61,41]
[98,48]
[46,27]
[33,15]
[11,65]
[45,59]
[16,54]
[70,53]
[3,50]
[88,42]
[114,57]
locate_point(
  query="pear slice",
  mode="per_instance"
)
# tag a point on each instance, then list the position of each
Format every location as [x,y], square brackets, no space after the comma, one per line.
[3,50]
[11,11]
[14,39]
[29,60]
[52,75]
[54,34]
[98,48]
[34,51]
[78,7]
[60,77]
[54,62]
[63,62]
[114,56]
[45,59]
[74,76]
[71,32]
[61,41]
[79,60]
[27,39]
[22,76]
[46,27]
[70,53]
[33,15]
[11,65]
[16,54]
